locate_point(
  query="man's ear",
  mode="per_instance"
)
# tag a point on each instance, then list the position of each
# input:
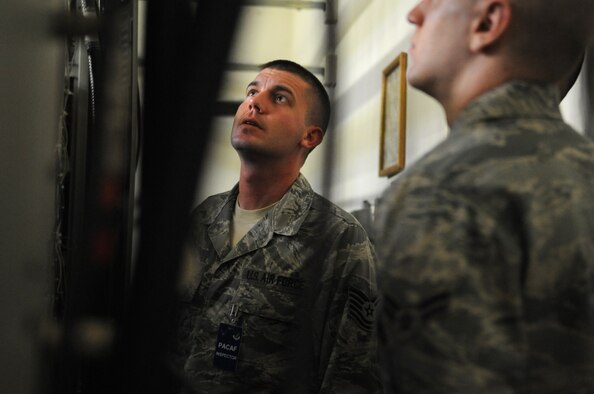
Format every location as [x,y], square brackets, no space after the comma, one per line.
[313,137]
[491,21]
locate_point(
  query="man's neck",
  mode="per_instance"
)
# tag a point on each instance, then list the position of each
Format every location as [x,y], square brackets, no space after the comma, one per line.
[260,186]
[475,82]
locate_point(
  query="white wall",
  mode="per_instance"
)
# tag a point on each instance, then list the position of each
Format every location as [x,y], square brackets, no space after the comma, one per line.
[571,106]
[370,35]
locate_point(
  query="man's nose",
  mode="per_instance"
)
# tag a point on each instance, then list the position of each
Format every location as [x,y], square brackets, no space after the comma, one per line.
[255,104]
[415,16]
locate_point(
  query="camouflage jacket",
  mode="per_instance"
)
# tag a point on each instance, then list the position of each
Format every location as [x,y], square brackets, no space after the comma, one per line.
[486,255]
[300,284]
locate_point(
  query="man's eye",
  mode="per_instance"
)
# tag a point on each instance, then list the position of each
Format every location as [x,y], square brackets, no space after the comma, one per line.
[251,92]
[279,98]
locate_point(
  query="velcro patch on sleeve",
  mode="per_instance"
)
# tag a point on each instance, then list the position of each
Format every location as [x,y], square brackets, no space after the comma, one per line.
[361,309]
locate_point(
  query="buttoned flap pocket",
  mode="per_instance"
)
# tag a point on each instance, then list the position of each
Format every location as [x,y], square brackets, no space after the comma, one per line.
[270,295]
[269,318]
[268,302]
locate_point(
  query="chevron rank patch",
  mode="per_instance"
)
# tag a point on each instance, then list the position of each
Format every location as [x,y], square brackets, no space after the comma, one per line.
[361,309]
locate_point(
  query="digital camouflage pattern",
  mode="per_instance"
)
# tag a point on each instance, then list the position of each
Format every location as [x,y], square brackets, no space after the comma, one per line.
[302,281]
[486,255]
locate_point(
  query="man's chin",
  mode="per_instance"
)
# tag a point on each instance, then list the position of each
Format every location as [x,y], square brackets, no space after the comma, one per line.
[242,145]
[419,83]
[254,153]
[245,147]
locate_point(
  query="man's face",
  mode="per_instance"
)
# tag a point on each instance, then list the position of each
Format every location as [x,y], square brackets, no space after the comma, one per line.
[439,45]
[271,121]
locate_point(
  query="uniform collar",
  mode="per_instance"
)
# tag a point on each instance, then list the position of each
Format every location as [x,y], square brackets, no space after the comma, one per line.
[511,100]
[290,212]
[285,219]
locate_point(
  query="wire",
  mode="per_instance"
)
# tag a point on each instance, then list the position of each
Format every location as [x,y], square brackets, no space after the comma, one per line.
[63,164]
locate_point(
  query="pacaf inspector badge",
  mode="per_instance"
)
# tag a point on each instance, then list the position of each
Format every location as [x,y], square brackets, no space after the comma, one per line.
[227,347]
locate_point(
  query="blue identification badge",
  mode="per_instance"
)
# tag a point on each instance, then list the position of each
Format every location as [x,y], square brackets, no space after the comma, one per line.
[227,347]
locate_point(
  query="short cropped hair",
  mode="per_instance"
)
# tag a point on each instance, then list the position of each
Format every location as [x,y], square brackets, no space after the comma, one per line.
[551,35]
[319,111]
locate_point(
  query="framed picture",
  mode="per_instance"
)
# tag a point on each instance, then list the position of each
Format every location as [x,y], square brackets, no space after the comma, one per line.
[393,121]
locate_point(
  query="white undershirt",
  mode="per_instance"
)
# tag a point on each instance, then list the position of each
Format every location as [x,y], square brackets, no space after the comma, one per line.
[245,219]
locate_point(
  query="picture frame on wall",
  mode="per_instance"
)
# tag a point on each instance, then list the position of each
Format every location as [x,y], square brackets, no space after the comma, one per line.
[393,117]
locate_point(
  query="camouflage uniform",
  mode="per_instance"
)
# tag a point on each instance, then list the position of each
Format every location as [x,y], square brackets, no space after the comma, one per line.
[486,255]
[302,281]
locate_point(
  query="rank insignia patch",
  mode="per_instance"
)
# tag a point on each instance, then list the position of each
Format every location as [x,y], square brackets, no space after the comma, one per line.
[361,309]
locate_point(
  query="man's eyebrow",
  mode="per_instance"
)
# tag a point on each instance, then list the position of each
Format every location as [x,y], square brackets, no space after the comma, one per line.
[284,89]
[274,89]
[252,84]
